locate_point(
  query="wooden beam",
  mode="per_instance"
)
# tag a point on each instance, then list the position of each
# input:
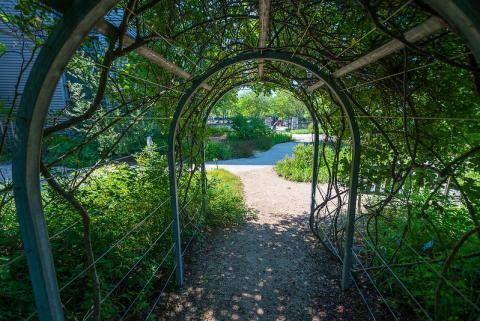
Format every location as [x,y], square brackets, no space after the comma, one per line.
[416,34]
[264,24]
[109,30]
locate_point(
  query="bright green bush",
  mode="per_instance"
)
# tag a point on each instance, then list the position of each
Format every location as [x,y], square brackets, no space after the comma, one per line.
[278,138]
[217,150]
[217,131]
[225,200]
[249,127]
[299,166]
[123,202]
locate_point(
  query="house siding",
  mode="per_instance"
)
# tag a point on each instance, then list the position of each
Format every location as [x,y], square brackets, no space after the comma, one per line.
[17,55]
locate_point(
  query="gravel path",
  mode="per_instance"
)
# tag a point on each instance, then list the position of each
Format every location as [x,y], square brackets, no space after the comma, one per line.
[272,268]
[270,157]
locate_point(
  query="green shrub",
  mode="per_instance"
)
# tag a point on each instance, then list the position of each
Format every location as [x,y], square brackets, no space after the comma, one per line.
[122,201]
[278,138]
[432,234]
[217,131]
[249,127]
[299,166]
[217,150]
[225,201]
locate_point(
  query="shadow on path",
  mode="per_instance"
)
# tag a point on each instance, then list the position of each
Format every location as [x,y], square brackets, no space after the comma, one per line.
[272,268]
[264,272]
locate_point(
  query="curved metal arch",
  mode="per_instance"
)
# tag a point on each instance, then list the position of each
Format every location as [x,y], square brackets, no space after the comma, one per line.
[345,105]
[212,104]
[30,119]
[316,146]
[42,81]
[464,16]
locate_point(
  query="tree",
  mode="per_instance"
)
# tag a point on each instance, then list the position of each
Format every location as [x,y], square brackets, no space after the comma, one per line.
[276,103]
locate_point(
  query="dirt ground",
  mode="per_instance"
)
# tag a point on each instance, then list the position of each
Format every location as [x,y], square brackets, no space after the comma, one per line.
[272,268]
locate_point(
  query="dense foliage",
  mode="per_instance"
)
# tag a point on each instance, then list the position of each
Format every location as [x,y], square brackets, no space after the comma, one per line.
[418,110]
[299,166]
[432,231]
[229,209]
[247,135]
[130,209]
[260,102]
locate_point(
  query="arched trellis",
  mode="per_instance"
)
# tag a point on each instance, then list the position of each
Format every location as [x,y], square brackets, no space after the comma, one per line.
[47,70]
[305,97]
[347,109]
[316,141]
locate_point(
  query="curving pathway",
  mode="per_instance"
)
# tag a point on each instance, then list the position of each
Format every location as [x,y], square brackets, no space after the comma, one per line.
[272,268]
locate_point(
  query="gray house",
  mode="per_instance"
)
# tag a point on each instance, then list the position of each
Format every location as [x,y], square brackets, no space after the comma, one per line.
[15,65]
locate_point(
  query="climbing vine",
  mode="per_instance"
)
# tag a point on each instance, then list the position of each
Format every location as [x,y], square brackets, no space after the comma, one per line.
[418,112]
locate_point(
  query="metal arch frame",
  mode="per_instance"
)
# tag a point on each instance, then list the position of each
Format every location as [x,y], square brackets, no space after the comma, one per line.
[64,40]
[48,68]
[345,105]
[464,16]
[316,142]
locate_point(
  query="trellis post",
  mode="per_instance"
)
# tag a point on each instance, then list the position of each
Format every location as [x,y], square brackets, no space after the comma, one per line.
[203,179]
[177,239]
[42,81]
[351,209]
[316,145]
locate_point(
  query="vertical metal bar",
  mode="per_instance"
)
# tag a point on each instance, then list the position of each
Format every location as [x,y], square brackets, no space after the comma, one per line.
[30,121]
[352,199]
[204,180]
[175,208]
[37,249]
[316,145]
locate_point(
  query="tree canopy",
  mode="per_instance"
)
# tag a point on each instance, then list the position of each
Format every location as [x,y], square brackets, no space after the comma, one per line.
[278,103]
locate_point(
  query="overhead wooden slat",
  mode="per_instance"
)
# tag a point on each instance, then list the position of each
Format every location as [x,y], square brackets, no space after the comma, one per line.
[264,24]
[416,34]
[109,30]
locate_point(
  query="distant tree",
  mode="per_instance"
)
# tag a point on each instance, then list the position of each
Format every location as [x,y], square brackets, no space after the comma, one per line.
[288,106]
[278,104]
